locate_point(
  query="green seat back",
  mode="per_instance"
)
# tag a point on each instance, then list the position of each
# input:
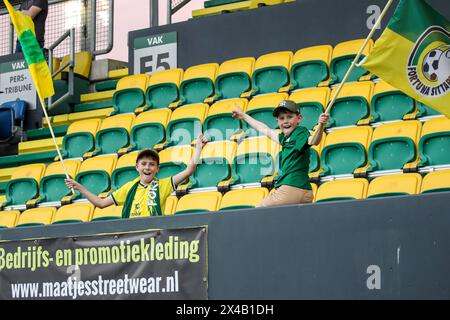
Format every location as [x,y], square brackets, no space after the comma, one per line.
[111,140]
[434,148]
[19,191]
[310,113]
[221,127]
[146,135]
[270,79]
[342,158]
[210,172]
[161,95]
[348,111]
[96,181]
[250,168]
[426,110]
[196,90]
[309,74]
[53,188]
[314,160]
[168,169]
[339,67]
[232,85]
[183,131]
[391,106]
[391,153]
[263,115]
[76,144]
[120,176]
[126,100]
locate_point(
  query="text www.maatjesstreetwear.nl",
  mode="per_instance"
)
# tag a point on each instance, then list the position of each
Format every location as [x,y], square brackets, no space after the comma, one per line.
[94,288]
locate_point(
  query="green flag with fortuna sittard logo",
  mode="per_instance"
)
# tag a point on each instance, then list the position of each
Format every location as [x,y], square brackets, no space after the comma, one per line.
[33,54]
[413,54]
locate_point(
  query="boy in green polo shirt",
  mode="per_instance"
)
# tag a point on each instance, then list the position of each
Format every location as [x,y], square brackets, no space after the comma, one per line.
[146,195]
[292,184]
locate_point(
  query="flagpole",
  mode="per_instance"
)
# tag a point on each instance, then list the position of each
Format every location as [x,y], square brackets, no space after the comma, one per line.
[333,99]
[44,108]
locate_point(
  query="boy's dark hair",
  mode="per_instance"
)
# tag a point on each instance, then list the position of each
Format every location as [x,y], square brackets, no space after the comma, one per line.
[148,153]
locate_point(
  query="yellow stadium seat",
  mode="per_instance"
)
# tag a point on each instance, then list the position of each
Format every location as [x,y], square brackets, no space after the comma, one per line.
[80,138]
[162,88]
[352,104]
[41,145]
[130,93]
[83,60]
[310,66]
[395,185]
[345,150]
[234,78]
[24,184]
[149,129]
[271,72]
[261,108]
[36,217]
[343,55]
[436,181]
[125,170]
[8,219]
[243,198]
[173,160]
[75,212]
[186,124]
[198,202]
[109,213]
[342,190]
[171,204]
[94,114]
[219,125]
[312,102]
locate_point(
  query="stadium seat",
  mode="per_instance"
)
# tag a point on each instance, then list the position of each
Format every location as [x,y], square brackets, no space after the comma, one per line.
[36,217]
[95,174]
[434,144]
[261,108]
[6,124]
[394,145]
[125,170]
[171,204]
[234,78]
[271,72]
[395,185]
[219,124]
[113,134]
[173,160]
[162,88]
[242,198]
[109,213]
[75,212]
[130,93]
[436,181]
[24,184]
[312,102]
[347,189]
[149,129]
[52,186]
[389,103]
[79,138]
[255,159]
[198,202]
[314,155]
[197,84]
[19,107]
[343,55]
[352,104]
[8,219]
[186,124]
[310,67]
[345,150]
[425,111]
[215,164]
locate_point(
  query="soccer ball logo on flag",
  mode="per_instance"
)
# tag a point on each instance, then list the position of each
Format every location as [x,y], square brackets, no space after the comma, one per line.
[436,65]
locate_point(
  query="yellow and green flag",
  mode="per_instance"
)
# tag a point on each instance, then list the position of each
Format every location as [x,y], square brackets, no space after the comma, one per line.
[33,54]
[413,54]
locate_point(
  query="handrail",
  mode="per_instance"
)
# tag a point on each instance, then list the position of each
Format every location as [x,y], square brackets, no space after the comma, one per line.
[71,64]
[94,29]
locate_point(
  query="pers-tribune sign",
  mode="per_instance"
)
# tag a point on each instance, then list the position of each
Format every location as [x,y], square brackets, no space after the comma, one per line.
[154,264]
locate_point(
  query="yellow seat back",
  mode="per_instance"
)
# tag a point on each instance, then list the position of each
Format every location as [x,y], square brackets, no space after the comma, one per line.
[102,162]
[320,95]
[125,121]
[356,89]
[198,201]
[197,110]
[398,183]
[90,125]
[351,47]
[245,65]
[176,154]
[166,76]
[220,149]
[158,115]
[37,215]
[410,129]
[362,135]
[227,106]
[8,219]
[34,171]
[72,167]
[243,197]
[278,59]
[436,180]
[260,144]
[74,211]
[435,125]
[110,211]
[127,160]
[266,100]
[354,188]
[134,81]
[207,70]
[322,53]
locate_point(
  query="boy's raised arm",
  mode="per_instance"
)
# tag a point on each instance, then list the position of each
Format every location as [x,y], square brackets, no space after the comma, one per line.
[95,200]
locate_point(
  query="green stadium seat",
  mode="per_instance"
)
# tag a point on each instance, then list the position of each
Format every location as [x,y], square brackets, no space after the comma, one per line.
[261,108]
[242,198]
[24,184]
[312,102]
[271,72]
[125,170]
[109,213]
[8,219]
[434,144]
[314,152]
[130,93]
[343,55]
[173,160]
[310,67]
[436,181]
[36,217]
[198,202]
[389,103]
[219,125]
[426,111]
[113,134]
[352,104]
[347,189]
[197,84]
[80,138]
[345,150]
[149,129]
[234,78]
[186,124]
[75,212]
[395,185]
[162,88]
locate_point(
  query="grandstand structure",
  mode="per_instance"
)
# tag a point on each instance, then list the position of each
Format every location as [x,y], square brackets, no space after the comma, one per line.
[378,226]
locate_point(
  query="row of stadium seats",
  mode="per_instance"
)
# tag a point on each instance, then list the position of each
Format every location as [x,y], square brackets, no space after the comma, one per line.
[394,185]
